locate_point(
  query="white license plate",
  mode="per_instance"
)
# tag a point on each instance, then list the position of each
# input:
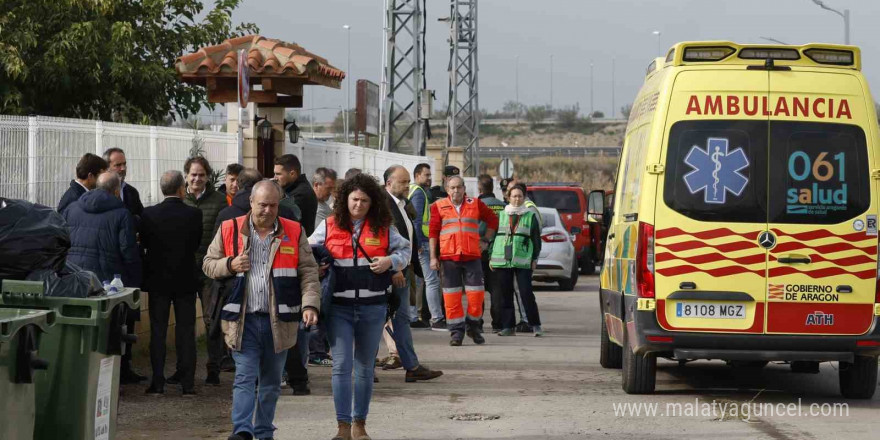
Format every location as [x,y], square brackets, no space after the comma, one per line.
[710,310]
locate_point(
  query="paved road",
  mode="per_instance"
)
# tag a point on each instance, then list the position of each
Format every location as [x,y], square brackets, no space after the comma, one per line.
[551,387]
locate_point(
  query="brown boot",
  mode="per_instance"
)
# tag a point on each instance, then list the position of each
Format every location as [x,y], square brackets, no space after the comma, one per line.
[344,431]
[359,430]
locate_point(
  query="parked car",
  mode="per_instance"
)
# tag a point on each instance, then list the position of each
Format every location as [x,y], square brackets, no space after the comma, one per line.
[571,202]
[557,261]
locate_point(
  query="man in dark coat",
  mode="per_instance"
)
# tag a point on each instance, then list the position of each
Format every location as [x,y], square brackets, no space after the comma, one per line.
[104,240]
[115,158]
[170,235]
[288,174]
[397,185]
[200,194]
[102,233]
[87,170]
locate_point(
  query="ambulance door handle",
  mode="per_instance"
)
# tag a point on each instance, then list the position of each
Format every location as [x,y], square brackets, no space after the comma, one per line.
[794,259]
[843,288]
[687,285]
[611,236]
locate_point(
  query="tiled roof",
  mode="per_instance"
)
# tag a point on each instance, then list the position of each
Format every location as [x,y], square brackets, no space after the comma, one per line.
[267,58]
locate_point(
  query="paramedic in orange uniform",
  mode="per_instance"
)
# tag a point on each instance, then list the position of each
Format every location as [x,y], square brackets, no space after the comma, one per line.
[455,223]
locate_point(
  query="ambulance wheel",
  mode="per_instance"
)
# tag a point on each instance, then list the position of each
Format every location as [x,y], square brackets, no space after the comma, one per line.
[858,379]
[587,265]
[639,371]
[610,354]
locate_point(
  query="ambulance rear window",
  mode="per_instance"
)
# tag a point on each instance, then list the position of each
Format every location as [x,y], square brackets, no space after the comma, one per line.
[716,170]
[819,172]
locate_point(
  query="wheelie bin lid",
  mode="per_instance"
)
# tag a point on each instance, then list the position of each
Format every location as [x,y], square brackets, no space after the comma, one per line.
[12,320]
[73,311]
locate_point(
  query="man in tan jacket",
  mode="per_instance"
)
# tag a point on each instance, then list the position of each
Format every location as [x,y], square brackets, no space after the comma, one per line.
[276,285]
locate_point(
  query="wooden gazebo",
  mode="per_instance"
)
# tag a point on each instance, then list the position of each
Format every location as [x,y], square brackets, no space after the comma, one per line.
[277,72]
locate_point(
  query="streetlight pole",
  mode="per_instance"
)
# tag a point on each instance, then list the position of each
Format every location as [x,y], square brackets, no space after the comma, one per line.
[592,109]
[516,109]
[551,81]
[348,86]
[612,88]
[773,40]
[844,15]
[659,47]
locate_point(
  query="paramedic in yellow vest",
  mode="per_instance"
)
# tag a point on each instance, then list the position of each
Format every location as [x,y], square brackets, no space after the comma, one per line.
[276,286]
[514,256]
[455,222]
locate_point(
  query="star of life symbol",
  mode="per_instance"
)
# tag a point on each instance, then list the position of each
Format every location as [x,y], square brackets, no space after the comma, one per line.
[716,171]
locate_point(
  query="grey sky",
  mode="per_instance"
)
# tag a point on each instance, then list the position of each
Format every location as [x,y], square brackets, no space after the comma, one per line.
[574,31]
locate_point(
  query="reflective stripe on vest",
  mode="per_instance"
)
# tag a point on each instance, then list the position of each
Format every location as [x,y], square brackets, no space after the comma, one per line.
[520,241]
[426,210]
[354,279]
[284,275]
[459,232]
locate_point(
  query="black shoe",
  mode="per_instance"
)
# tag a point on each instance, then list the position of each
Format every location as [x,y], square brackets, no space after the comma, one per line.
[455,342]
[174,379]
[422,373]
[477,336]
[419,324]
[301,389]
[129,377]
[439,326]
[191,392]
[155,390]
[522,327]
[213,379]
[227,365]
[241,436]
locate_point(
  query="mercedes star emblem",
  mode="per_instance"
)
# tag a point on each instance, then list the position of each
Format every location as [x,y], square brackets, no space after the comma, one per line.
[767,240]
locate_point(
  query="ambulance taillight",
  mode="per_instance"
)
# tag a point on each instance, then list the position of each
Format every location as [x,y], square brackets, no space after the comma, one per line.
[645,261]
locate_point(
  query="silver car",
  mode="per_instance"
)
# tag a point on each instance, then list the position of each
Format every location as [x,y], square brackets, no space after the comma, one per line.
[557,261]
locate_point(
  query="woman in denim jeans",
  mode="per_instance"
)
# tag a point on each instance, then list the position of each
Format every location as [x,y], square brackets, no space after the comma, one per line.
[366,250]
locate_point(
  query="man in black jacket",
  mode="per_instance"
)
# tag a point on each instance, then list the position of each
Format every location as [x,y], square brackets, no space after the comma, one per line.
[397,184]
[288,174]
[115,158]
[87,170]
[170,236]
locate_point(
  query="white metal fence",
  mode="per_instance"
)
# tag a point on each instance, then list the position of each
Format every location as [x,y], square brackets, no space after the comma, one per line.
[38,155]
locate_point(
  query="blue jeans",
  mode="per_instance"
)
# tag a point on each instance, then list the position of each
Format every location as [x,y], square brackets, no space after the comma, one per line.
[432,286]
[402,334]
[355,331]
[256,358]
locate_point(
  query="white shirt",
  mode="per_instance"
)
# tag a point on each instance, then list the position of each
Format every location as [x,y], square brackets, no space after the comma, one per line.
[458,207]
[121,191]
[400,206]
[80,184]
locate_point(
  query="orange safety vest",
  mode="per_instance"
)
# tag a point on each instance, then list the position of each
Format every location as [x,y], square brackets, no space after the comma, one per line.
[459,232]
[354,281]
[285,281]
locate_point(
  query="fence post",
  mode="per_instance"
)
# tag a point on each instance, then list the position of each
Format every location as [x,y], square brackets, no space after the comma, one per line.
[154,165]
[99,137]
[32,159]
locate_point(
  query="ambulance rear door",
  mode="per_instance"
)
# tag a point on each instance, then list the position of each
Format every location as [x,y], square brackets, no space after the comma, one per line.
[822,231]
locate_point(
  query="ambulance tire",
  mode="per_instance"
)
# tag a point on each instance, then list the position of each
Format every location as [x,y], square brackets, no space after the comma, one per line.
[587,265]
[610,354]
[639,372]
[858,380]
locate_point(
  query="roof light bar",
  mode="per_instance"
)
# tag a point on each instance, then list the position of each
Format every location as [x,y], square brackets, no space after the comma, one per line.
[830,56]
[769,54]
[707,53]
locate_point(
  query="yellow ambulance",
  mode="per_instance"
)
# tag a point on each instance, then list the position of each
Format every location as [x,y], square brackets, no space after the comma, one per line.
[744,226]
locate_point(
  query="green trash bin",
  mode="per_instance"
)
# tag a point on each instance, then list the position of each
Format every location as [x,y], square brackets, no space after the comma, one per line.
[77,398]
[20,331]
